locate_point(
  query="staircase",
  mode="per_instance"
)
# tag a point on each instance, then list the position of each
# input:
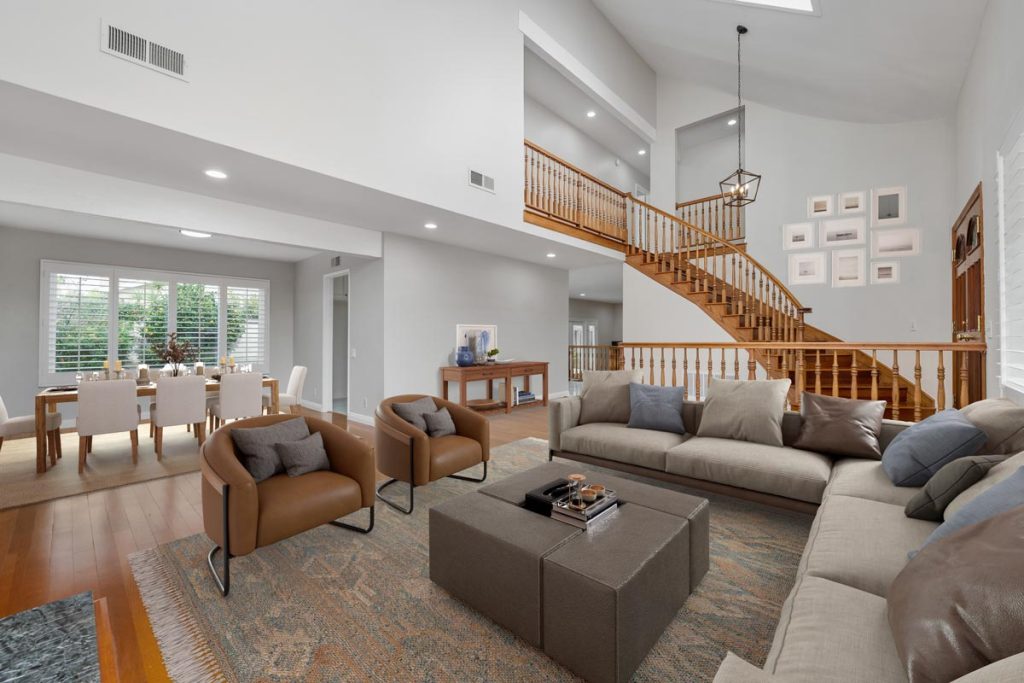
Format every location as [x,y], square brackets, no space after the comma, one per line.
[708,265]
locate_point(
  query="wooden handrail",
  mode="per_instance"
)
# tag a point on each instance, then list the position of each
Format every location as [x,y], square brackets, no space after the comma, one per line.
[691,202]
[577,169]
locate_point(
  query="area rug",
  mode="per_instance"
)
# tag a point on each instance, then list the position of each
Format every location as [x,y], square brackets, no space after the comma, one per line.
[53,642]
[332,605]
[109,465]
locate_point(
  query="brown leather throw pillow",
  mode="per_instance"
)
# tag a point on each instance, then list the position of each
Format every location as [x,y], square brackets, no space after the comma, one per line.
[840,426]
[959,604]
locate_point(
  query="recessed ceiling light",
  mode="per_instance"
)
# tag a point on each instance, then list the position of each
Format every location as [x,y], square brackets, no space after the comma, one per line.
[430,226]
[583,293]
[732,122]
[641,152]
[195,233]
[215,173]
[591,114]
[551,254]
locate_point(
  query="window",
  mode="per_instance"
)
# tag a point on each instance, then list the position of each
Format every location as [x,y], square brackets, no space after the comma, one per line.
[1011,262]
[92,313]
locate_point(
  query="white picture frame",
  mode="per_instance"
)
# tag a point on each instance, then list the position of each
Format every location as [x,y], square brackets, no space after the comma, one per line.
[820,206]
[885,272]
[888,206]
[842,232]
[467,334]
[895,243]
[848,267]
[797,236]
[852,203]
[807,268]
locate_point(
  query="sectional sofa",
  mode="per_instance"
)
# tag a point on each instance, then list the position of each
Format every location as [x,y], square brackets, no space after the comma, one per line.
[833,625]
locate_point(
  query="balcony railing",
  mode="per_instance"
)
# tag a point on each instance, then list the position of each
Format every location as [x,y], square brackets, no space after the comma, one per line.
[713,215]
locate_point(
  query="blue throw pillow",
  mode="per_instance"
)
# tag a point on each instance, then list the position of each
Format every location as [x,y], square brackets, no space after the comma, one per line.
[919,451]
[1004,496]
[659,408]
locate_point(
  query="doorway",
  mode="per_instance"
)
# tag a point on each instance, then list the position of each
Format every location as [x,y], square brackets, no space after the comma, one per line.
[582,348]
[968,270]
[336,317]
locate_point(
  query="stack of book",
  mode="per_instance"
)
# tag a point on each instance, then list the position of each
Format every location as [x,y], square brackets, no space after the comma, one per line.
[563,511]
[519,396]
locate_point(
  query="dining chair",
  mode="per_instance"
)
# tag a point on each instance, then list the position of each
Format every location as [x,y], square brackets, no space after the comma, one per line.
[292,396]
[26,424]
[181,401]
[239,396]
[107,407]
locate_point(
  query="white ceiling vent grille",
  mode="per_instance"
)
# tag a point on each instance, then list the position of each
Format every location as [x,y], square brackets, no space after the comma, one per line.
[481,181]
[134,48]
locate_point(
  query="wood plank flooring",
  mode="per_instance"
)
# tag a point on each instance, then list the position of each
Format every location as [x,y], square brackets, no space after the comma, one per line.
[58,548]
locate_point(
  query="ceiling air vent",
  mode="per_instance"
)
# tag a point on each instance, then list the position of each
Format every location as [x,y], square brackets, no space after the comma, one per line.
[134,48]
[481,181]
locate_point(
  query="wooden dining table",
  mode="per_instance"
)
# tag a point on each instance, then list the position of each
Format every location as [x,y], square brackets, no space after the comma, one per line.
[47,401]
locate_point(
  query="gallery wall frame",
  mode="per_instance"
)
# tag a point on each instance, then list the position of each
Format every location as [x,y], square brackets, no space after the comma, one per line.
[895,243]
[848,267]
[807,268]
[888,206]
[820,206]
[885,272]
[851,203]
[798,236]
[841,232]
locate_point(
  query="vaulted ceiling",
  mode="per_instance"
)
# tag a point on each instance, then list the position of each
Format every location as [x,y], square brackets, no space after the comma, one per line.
[860,60]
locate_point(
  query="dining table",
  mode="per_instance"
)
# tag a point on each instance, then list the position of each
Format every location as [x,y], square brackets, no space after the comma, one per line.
[48,399]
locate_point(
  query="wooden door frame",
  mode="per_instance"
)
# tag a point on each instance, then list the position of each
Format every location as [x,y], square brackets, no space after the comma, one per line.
[976,197]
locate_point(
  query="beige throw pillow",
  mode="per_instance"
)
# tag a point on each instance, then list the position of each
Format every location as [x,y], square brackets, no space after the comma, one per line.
[745,410]
[1002,420]
[605,395]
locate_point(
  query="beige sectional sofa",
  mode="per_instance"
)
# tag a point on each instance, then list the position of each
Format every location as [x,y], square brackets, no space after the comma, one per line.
[833,625]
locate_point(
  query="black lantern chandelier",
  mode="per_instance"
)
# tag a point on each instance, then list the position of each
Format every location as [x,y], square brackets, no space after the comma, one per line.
[740,188]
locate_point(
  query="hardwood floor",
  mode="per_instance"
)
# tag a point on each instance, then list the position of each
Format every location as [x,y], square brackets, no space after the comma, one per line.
[55,549]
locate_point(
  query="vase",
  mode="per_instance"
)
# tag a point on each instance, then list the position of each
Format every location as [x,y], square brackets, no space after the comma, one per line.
[463,357]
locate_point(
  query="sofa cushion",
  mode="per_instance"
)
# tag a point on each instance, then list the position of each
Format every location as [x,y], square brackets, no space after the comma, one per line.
[994,476]
[840,426]
[1009,670]
[1004,496]
[1002,420]
[642,447]
[957,605]
[256,446]
[948,483]
[832,632]
[862,543]
[605,395]
[323,495]
[921,450]
[745,410]
[866,479]
[453,453]
[654,407]
[777,470]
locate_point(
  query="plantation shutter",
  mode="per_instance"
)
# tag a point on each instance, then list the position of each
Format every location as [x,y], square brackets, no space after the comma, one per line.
[1012,261]
[198,319]
[77,324]
[247,325]
[141,320]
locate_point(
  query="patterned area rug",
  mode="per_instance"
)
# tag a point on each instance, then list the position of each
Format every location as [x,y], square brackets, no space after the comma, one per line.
[331,605]
[53,642]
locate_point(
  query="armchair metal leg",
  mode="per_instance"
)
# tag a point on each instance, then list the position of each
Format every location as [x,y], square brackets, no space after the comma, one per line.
[551,455]
[224,585]
[473,479]
[396,506]
[350,527]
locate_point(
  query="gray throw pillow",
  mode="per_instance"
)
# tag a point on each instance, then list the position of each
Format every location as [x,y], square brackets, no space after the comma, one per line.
[745,410]
[414,411]
[303,456]
[921,450]
[1004,496]
[840,426]
[653,407]
[256,445]
[605,395]
[439,423]
[948,483]
[1002,420]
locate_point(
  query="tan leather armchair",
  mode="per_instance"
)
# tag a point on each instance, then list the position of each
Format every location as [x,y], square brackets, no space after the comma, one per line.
[407,454]
[240,515]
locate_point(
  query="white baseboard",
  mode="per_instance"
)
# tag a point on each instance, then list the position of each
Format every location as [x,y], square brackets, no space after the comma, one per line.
[361,419]
[312,406]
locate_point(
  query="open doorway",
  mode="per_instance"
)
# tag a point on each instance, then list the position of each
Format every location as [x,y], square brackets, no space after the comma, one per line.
[336,343]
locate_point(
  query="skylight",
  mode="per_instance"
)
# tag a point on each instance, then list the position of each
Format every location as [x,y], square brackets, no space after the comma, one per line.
[800,6]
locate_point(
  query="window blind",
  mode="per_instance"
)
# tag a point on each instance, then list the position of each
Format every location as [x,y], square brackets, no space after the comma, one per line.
[246,325]
[141,320]
[1012,260]
[77,320]
[198,319]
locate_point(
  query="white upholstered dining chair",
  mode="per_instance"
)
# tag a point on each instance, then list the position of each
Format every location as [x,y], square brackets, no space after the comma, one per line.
[239,396]
[292,396]
[107,407]
[26,424]
[181,401]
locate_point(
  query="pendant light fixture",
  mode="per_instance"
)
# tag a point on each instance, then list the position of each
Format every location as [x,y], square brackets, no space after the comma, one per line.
[740,188]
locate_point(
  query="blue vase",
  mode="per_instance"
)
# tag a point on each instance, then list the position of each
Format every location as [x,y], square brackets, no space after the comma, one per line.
[464,357]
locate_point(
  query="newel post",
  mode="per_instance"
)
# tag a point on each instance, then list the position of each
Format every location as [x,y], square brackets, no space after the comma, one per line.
[800,313]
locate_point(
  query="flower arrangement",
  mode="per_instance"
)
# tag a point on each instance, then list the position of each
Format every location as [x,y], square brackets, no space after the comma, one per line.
[175,353]
[492,355]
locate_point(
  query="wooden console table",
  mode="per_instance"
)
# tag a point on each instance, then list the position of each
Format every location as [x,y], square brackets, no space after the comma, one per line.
[490,372]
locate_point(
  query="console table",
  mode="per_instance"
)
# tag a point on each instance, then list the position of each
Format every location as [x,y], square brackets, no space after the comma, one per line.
[490,372]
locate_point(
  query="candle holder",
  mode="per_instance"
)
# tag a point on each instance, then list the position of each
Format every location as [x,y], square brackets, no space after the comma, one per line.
[576,496]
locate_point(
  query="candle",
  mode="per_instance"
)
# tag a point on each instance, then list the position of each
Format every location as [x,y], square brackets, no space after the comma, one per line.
[117,366]
[106,365]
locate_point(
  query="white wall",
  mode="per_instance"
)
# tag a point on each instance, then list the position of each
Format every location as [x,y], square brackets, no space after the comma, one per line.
[991,97]
[701,166]
[342,88]
[555,134]
[802,155]
[608,317]
[21,252]
[651,312]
